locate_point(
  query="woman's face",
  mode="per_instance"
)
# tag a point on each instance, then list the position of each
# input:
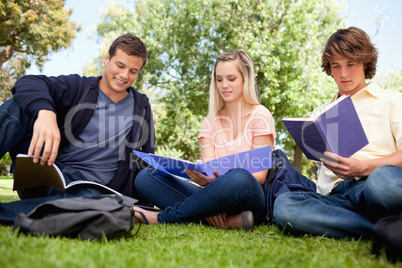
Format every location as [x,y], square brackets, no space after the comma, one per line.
[229,81]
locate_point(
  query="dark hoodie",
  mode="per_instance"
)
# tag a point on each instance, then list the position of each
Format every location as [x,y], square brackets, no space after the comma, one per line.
[73,99]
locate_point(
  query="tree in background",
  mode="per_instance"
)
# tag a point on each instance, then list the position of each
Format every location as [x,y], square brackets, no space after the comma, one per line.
[285,39]
[29,31]
[391,79]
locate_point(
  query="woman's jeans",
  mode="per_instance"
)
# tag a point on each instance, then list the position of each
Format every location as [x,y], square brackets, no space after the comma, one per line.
[349,211]
[183,202]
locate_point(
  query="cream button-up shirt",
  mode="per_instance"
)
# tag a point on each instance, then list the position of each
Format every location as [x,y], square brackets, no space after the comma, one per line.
[380,112]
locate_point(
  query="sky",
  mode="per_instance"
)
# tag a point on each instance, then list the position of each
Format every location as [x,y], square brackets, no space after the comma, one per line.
[359,13]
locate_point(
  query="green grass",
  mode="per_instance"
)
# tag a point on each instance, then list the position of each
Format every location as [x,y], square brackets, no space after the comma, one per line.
[190,245]
[6,190]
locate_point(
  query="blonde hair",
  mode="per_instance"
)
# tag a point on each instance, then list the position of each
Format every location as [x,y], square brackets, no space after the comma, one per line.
[245,66]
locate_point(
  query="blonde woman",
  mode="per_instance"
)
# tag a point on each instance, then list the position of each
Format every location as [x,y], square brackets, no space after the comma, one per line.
[236,122]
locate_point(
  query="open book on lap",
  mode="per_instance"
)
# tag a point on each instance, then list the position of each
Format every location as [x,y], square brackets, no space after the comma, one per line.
[336,128]
[28,174]
[253,161]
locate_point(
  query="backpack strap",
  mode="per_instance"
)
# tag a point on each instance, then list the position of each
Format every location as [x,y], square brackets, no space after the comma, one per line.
[23,222]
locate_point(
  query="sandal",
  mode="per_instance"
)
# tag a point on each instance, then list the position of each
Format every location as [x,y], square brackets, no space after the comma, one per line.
[144,219]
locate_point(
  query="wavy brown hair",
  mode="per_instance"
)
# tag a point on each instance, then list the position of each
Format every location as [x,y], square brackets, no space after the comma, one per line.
[354,44]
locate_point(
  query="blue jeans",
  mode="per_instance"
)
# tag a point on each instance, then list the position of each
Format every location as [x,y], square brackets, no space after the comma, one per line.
[183,202]
[32,197]
[9,211]
[16,132]
[15,128]
[349,211]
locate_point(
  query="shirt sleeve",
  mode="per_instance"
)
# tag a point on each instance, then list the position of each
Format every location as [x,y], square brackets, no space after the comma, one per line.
[206,129]
[262,123]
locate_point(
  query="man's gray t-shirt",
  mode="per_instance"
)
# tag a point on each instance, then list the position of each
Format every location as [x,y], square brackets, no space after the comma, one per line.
[99,147]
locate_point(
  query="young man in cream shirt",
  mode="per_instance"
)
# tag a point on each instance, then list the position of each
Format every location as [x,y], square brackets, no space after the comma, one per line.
[353,193]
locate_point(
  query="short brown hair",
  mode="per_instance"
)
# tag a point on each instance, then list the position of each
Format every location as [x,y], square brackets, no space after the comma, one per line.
[354,44]
[131,45]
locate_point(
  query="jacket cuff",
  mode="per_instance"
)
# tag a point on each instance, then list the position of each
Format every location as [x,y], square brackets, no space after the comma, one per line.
[34,107]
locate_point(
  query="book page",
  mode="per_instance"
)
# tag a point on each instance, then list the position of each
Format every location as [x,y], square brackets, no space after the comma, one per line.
[76,183]
[297,119]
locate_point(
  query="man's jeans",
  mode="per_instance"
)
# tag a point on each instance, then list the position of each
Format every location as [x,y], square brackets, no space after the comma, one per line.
[15,135]
[183,202]
[350,211]
[15,128]
[9,211]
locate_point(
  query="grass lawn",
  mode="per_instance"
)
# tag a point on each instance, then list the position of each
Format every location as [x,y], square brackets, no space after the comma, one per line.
[190,245]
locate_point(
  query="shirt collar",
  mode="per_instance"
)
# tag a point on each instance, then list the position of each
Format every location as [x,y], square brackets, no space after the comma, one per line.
[372,88]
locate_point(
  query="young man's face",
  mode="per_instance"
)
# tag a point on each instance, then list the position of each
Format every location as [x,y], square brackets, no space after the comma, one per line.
[348,75]
[120,73]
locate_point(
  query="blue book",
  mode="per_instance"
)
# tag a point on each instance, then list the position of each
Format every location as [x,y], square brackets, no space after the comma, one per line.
[336,128]
[253,161]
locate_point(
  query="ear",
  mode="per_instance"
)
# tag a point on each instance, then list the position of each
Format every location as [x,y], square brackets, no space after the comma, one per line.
[106,59]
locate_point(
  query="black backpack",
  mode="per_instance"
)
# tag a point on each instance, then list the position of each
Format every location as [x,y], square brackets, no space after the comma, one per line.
[282,178]
[80,217]
[388,235]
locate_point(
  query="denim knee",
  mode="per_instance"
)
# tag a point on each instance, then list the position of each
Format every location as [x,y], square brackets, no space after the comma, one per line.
[383,188]
[147,183]
[281,211]
[241,178]
[140,179]
[14,126]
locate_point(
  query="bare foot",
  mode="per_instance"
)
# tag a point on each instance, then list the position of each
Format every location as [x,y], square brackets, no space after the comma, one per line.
[150,216]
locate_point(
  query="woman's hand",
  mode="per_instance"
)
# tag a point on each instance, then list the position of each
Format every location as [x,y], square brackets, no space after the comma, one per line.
[217,220]
[200,178]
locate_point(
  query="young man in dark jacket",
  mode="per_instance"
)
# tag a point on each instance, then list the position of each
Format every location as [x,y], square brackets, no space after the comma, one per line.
[88,126]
